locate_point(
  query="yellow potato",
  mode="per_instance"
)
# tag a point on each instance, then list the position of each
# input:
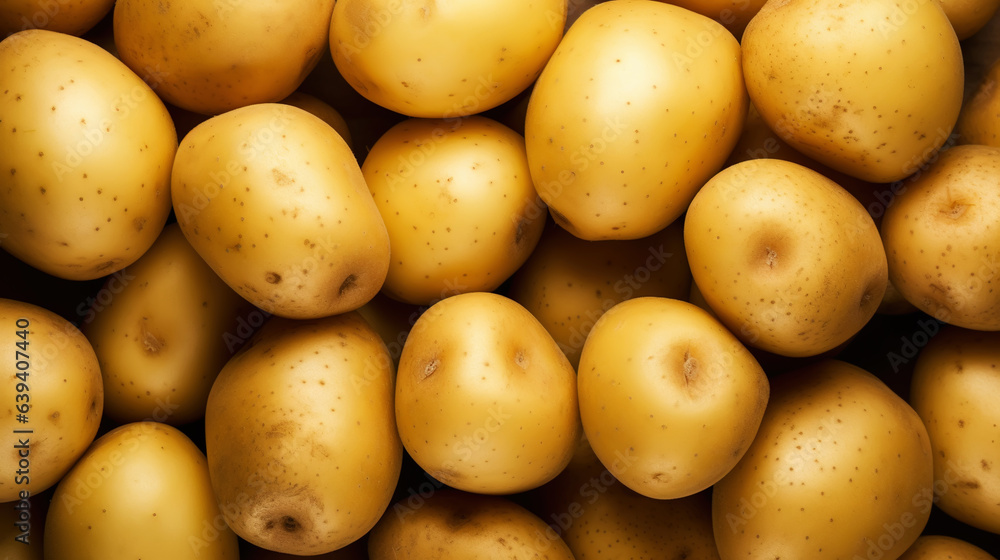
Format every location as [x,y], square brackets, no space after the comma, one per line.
[979,122]
[639,105]
[323,110]
[87,152]
[955,390]
[459,205]
[274,201]
[471,526]
[52,390]
[232,54]
[869,88]
[665,385]
[485,400]
[841,468]
[787,259]
[159,331]
[941,241]
[568,283]
[300,435]
[938,547]
[443,59]
[969,16]
[73,17]
[146,481]
[734,14]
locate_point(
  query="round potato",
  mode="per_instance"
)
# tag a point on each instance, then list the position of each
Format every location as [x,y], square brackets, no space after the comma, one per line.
[53,394]
[272,198]
[146,480]
[459,205]
[872,89]
[85,188]
[300,435]
[938,547]
[485,399]
[941,241]
[768,240]
[233,53]
[639,105]
[568,283]
[73,17]
[955,388]
[664,384]
[159,330]
[447,59]
[840,468]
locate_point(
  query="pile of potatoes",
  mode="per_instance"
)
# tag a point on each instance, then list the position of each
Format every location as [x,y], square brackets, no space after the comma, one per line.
[553,279]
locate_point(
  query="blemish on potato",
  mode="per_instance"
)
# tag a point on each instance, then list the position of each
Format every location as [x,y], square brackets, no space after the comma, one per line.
[272,278]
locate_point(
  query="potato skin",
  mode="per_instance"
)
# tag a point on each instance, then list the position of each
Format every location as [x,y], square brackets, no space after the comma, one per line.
[666,385]
[841,465]
[941,241]
[936,547]
[274,201]
[86,186]
[979,122]
[64,395]
[73,17]
[143,479]
[300,435]
[955,388]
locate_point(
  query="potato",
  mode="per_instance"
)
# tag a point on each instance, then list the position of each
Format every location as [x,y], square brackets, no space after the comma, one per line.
[443,60]
[161,339]
[665,385]
[73,17]
[358,550]
[941,241]
[485,400]
[979,122]
[568,283]
[85,188]
[639,105]
[231,55]
[841,468]
[954,389]
[969,16]
[323,110]
[734,14]
[52,384]
[476,527]
[459,205]
[871,89]
[146,481]
[300,435]
[272,198]
[768,241]
[934,547]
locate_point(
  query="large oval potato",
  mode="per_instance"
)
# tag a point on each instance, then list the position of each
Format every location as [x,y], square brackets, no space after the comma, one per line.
[86,156]
[639,105]
[274,201]
[841,468]
[300,435]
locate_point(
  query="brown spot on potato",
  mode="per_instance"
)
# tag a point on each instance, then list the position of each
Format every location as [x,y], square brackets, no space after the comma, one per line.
[280,178]
[272,278]
[139,224]
[429,369]
[348,283]
[970,484]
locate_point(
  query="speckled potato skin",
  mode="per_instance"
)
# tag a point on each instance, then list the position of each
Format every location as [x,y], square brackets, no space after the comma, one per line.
[213,58]
[85,188]
[443,59]
[787,259]
[485,399]
[979,122]
[274,201]
[628,119]
[840,464]
[942,242]
[162,329]
[568,283]
[146,480]
[941,547]
[459,205]
[955,389]
[474,526]
[323,110]
[871,89]
[64,396]
[662,382]
[300,435]
[73,17]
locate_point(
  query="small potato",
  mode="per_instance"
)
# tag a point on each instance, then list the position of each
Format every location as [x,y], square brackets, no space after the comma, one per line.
[666,386]
[979,122]
[73,17]
[459,205]
[955,389]
[485,400]
[51,386]
[942,242]
[940,547]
